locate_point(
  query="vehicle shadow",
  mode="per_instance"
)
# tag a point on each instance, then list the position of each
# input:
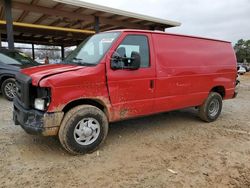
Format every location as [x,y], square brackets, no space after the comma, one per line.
[163,122]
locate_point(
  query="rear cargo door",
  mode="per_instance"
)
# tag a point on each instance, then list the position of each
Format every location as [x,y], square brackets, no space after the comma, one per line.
[132,91]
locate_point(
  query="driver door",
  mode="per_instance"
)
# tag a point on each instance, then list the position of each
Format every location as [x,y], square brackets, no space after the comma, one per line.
[132,91]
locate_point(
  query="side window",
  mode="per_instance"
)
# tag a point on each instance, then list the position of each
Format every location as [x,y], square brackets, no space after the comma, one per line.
[135,43]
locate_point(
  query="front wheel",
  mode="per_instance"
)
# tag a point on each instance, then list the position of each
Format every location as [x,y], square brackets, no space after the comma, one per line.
[9,89]
[83,130]
[210,110]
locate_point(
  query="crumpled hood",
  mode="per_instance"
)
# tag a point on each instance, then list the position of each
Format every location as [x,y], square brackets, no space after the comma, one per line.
[39,72]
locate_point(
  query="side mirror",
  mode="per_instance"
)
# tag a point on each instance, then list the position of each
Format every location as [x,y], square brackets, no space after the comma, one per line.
[116,61]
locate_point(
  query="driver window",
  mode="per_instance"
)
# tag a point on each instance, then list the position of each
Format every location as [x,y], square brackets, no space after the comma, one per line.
[134,43]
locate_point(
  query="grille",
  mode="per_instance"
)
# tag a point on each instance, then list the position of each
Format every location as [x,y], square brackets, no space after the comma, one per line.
[23,85]
[18,90]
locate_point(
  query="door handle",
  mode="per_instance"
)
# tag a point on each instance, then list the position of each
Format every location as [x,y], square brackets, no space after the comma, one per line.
[152,84]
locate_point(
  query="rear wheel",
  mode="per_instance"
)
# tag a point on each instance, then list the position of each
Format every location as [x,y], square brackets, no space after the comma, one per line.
[9,89]
[83,129]
[210,110]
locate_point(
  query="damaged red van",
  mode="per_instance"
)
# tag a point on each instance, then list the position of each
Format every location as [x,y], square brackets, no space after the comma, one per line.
[123,74]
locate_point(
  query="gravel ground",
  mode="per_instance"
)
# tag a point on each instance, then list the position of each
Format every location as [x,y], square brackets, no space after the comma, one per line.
[172,149]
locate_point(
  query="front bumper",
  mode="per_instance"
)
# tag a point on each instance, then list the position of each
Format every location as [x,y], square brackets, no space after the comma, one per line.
[37,122]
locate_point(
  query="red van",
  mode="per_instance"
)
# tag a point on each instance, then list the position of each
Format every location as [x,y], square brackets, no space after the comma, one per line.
[123,74]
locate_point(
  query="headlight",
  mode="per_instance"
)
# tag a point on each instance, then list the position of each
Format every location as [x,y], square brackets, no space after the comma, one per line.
[40,104]
[41,98]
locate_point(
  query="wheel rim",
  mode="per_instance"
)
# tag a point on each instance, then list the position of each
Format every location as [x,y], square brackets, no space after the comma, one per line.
[214,107]
[10,90]
[86,131]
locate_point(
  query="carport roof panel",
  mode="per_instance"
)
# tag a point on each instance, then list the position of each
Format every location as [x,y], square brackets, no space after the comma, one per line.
[73,14]
[122,13]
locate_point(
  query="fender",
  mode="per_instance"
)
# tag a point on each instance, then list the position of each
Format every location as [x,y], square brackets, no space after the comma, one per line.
[9,75]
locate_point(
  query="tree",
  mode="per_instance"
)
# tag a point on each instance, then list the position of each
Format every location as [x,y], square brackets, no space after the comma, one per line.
[242,50]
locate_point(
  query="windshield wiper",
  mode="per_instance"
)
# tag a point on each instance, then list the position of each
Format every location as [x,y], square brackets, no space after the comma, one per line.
[81,62]
[77,59]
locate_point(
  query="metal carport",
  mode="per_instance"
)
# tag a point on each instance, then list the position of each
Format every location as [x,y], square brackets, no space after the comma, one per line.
[66,22]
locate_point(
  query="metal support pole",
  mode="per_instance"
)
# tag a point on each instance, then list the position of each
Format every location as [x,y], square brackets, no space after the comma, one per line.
[62,52]
[97,24]
[33,51]
[0,40]
[9,24]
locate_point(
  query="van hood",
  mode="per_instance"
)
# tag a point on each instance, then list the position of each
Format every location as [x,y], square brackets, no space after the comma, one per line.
[39,72]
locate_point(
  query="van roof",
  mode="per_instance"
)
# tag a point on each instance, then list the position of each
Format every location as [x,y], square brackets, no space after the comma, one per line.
[165,33]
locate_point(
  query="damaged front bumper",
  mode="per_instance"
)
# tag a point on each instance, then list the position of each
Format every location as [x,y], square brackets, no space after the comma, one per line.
[37,122]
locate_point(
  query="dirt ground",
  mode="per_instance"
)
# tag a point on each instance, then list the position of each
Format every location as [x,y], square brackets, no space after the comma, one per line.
[172,149]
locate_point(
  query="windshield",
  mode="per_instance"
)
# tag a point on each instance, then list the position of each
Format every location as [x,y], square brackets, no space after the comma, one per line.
[90,51]
[16,58]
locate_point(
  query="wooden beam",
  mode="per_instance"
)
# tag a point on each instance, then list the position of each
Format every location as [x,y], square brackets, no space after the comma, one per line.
[25,13]
[39,20]
[45,16]
[80,25]
[88,25]
[30,40]
[77,10]
[72,15]
[107,28]
[51,33]
[56,22]
[130,20]
[50,11]
[85,24]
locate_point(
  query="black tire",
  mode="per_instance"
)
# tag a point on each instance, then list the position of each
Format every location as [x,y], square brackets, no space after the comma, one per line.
[210,110]
[10,82]
[67,132]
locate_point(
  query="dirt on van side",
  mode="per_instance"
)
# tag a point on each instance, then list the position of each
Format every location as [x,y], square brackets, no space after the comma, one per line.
[173,149]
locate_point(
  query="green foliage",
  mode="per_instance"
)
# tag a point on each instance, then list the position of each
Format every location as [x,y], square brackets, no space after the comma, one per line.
[242,50]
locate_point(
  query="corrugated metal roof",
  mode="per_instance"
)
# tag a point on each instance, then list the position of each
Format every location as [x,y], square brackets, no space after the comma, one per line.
[72,14]
[119,12]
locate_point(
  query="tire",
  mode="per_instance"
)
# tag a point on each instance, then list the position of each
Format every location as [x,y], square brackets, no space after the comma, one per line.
[9,88]
[210,110]
[79,132]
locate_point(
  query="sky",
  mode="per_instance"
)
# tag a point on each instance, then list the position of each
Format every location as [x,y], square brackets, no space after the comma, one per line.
[220,19]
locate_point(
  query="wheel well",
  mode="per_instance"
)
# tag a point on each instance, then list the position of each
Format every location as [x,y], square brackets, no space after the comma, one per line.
[92,102]
[2,79]
[220,90]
